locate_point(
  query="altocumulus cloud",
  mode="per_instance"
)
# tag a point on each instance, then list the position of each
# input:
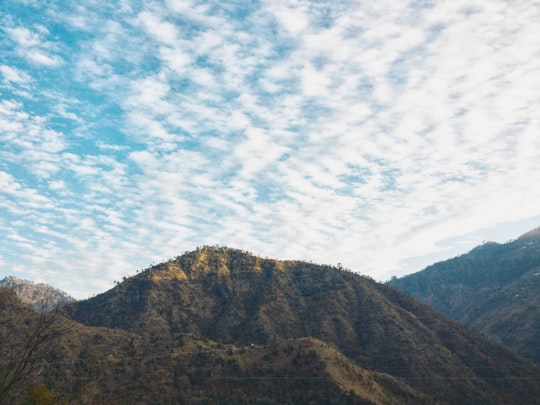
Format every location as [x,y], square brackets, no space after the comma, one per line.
[366,134]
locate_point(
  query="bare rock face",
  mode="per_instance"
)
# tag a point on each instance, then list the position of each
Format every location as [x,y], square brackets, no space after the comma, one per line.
[40,297]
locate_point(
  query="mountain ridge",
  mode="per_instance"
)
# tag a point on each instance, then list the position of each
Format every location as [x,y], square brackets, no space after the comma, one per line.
[38,296]
[494,288]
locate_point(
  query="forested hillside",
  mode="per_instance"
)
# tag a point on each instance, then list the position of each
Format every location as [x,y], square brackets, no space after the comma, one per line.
[495,288]
[234,298]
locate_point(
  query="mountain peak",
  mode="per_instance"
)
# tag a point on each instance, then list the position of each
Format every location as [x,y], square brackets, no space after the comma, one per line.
[205,260]
[40,296]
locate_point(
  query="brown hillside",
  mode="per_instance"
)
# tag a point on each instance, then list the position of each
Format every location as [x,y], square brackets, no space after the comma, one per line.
[91,365]
[232,297]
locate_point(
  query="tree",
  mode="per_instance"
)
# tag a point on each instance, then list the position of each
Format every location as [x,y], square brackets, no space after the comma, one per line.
[24,335]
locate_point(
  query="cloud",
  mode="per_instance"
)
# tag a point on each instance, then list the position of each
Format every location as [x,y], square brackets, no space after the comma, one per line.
[27,141]
[26,198]
[24,37]
[293,18]
[14,75]
[163,31]
[32,46]
[333,132]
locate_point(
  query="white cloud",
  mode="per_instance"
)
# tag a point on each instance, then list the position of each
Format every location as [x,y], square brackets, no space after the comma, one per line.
[28,141]
[292,17]
[14,75]
[315,83]
[336,132]
[163,31]
[33,47]
[176,59]
[27,199]
[42,58]
[24,37]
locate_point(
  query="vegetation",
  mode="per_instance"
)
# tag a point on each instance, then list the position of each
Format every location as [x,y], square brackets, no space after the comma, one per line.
[221,326]
[25,336]
[97,365]
[495,289]
[392,348]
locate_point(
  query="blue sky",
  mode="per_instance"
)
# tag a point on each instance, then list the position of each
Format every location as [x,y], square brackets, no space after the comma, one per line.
[381,135]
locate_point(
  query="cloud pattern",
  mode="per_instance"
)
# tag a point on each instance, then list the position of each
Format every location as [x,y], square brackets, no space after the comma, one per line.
[348,131]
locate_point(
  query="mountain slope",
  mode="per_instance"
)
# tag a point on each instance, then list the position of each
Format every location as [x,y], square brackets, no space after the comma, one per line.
[495,288]
[40,297]
[80,364]
[232,297]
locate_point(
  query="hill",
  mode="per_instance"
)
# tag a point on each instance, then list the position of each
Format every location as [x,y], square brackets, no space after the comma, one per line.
[73,363]
[234,298]
[495,288]
[41,297]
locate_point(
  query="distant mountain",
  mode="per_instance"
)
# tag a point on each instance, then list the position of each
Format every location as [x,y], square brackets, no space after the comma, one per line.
[495,288]
[354,330]
[40,297]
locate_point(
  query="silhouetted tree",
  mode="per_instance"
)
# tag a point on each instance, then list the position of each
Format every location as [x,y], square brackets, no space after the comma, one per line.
[23,335]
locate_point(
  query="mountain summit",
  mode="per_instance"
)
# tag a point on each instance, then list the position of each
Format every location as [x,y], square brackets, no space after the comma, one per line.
[235,298]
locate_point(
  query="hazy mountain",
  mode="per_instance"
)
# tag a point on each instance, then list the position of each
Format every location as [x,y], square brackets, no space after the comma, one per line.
[494,288]
[40,297]
[231,297]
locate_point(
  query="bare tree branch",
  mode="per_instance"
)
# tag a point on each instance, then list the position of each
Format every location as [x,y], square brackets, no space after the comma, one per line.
[23,335]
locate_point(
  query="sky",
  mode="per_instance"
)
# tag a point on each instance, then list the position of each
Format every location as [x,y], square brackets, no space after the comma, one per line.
[383,135]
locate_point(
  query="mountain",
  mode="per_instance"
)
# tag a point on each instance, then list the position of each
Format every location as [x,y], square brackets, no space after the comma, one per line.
[40,297]
[235,299]
[73,363]
[495,288]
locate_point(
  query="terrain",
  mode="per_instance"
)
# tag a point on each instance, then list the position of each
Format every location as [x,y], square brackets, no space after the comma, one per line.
[40,296]
[233,299]
[46,358]
[495,288]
